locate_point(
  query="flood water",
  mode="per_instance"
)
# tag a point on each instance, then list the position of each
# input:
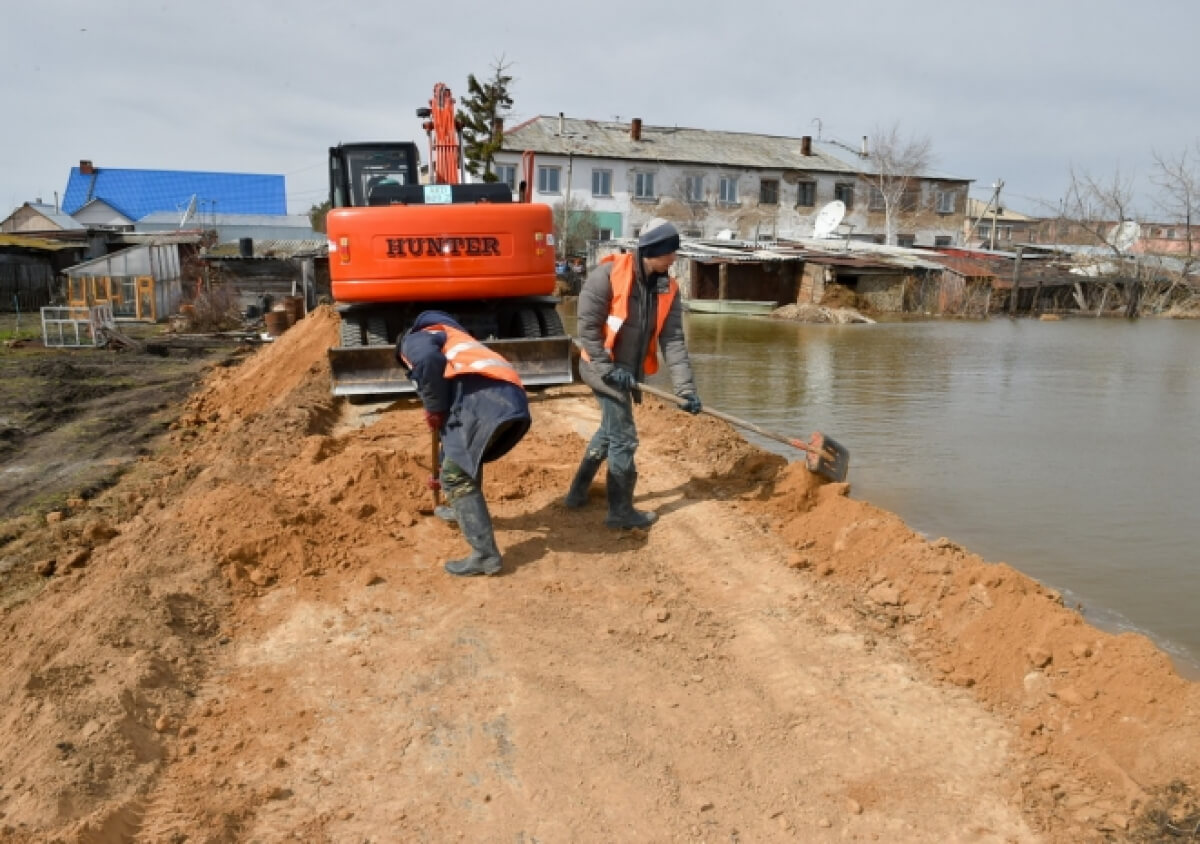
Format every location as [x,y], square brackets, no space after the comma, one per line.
[1067,449]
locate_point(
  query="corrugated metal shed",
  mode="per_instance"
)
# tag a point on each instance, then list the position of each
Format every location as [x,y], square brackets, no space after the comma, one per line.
[233,227]
[829,253]
[304,248]
[136,193]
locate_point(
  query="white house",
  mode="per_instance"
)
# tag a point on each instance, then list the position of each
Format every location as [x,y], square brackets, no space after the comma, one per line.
[755,187]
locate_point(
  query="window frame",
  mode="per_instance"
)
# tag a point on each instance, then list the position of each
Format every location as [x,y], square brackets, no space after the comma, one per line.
[875,199]
[945,201]
[808,187]
[763,190]
[845,192]
[604,174]
[643,185]
[727,190]
[512,168]
[690,181]
[548,169]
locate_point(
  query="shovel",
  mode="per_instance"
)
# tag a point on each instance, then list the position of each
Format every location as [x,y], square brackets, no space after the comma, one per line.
[442,511]
[825,456]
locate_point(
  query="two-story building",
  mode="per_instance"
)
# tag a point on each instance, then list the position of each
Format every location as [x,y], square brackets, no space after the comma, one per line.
[992,226]
[617,175]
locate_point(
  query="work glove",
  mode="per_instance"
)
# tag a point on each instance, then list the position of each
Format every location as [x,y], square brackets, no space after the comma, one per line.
[435,419]
[621,378]
[691,403]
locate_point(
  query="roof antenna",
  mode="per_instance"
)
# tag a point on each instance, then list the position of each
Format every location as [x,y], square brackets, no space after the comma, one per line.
[817,120]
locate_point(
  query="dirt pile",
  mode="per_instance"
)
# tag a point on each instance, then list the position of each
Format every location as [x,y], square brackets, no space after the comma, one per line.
[251,638]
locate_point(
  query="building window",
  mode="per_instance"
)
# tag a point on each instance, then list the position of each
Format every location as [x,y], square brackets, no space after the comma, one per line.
[908,241]
[768,192]
[946,201]
[806,194]
[643,186]
[602,183]
[875,199]
[507,174]
[604,234]
[728,191]
[547,179]
[941,240]
[845,192]
[693,188]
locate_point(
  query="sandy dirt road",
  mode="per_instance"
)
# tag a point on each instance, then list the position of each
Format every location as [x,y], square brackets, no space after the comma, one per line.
[251,639]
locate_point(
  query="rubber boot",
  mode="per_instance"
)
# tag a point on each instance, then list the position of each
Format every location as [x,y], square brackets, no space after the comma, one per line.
[621,513]
[577,495]
[476,526]
[446,514]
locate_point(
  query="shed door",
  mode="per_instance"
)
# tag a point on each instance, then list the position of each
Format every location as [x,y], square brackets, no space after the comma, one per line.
[145,299]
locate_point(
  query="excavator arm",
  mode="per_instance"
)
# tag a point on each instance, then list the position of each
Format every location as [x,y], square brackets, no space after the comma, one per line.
[445,138]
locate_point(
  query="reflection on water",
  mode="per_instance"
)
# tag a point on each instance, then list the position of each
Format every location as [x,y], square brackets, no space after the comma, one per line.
[1065,449]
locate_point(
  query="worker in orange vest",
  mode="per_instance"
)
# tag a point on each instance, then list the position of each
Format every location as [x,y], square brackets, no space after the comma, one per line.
[474,398]
[629,310]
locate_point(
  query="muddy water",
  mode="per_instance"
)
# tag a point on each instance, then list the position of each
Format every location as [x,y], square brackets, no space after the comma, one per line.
[1069,450]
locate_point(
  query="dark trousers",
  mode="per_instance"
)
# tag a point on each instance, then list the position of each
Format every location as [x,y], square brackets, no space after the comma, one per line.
[616,440]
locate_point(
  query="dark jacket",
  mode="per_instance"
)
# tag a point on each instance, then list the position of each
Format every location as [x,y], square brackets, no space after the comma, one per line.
[633,339]
[485,417]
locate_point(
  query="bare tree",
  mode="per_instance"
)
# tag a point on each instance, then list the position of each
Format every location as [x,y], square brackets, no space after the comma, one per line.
[1096,206]
[896,164]
[574,225]
[1179,181]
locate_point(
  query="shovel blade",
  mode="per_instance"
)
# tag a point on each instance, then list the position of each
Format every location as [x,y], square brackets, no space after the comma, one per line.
[827,458]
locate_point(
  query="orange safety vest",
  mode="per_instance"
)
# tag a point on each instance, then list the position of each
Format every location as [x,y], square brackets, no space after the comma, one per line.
[467,356]
[621,278]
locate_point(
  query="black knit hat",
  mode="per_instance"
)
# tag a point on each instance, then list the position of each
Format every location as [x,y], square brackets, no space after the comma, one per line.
[658,238]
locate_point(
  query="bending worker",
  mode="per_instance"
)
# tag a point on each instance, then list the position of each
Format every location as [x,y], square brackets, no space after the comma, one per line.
[475,399]
[629,308]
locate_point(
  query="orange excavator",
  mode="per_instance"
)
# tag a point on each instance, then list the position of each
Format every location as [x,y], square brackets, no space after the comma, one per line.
[398,246]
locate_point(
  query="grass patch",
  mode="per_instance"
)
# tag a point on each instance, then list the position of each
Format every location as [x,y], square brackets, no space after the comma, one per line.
[14,327]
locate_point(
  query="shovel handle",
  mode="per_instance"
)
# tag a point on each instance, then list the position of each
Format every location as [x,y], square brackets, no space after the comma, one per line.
[733,420]
[435,482]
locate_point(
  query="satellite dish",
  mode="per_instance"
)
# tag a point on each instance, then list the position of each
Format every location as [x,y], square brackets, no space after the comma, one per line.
[1124,235]
[828,218]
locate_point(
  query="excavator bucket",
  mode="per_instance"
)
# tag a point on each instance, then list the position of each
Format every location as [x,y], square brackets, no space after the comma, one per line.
[373,370]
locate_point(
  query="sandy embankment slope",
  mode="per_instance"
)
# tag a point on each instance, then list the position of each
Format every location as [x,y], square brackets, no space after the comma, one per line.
[261,645]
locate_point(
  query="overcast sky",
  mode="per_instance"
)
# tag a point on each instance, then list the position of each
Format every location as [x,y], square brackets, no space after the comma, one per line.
[1020,90]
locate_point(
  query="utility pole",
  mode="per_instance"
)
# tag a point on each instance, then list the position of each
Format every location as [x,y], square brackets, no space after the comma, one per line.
[996,209]
[994,205]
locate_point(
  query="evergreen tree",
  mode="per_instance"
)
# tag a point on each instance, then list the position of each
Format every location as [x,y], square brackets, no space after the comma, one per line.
[483,106]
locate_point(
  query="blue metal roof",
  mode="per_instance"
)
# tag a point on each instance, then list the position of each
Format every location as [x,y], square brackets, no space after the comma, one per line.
[136,193]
